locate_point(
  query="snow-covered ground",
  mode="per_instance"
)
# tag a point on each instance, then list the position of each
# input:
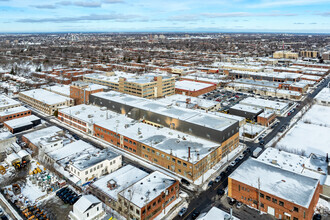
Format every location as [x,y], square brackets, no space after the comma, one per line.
[309,135]
[323,207]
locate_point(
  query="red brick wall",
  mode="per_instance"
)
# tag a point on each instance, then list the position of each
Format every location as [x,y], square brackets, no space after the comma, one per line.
[17,115]
[249,196]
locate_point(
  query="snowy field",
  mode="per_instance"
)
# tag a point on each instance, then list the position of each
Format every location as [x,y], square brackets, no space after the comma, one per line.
[310,135]
[318,115]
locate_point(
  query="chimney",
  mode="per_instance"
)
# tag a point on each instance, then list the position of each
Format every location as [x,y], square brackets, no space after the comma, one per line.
[188,153]
[197,156]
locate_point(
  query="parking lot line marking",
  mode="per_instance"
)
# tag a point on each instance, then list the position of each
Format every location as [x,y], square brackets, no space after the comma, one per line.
[189,214]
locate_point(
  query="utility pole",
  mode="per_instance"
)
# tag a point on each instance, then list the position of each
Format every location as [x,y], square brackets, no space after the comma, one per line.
[259,193]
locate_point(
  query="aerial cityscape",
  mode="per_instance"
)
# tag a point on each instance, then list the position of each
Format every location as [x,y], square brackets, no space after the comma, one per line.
[161,110]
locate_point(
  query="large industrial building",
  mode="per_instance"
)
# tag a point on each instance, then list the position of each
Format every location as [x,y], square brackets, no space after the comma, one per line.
[184,141]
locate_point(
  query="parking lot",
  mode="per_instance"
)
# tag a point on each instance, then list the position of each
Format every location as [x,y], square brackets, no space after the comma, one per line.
[225,97]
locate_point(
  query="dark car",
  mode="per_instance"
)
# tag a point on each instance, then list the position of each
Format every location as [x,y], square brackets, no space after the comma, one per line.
[184,181]
[61,190]
[74,200]
[262,142]
[232,201]
[222,174]
[246,151]
[282,129]
[4,217]
[228,169]
[237,160]
[220,192]
[317,217]
[195,214]
[210,183]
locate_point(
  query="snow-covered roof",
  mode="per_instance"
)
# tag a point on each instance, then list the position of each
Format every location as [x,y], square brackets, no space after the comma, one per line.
[91,158]
[5,135]
[35,136]
[20,122]
[123,177]
[89,86]
[263,103]
[215,213]
[60,89]
[191,85]
[246,108]
[130,77]
[86,202]
[323,95]
[281,183]
[312,166]
[147,189]
[266,114]
[181,101]
[6,102]
[87,113]
[14,110]
[188,115]
[71,149]
[23,153]
[165,139]
[45,96]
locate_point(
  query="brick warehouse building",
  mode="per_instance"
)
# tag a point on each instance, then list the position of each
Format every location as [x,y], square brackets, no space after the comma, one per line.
[13,113]
[270,189]
[193,88]
[80,91]
[213,137]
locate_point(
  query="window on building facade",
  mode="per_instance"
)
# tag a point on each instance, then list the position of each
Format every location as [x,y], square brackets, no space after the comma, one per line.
[268,198]
[281,203]
[296,209]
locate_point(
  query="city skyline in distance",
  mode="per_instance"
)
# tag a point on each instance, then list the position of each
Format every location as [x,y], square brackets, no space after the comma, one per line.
[295,16]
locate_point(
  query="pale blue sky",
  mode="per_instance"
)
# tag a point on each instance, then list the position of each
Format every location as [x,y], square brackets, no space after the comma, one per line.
[311,16]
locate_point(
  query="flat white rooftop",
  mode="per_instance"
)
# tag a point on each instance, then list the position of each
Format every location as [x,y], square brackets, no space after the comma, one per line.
[282,183]
[61,89]
[45,96]
[19,122]
[6,102]
[14,110]
[263,103]
[181,101]
[147,189]
[35,136]
[247,108]
[87,113]
[191,85]
[196,117]
[312,166]
[123,177]
[165,139]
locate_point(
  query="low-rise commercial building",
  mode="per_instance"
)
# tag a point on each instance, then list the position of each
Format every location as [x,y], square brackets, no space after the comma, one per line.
[22,124]
[285,55]
[13,113]
[278,107]
[249,112]
[266,118]
[323,97]
[8,103]
[45,101]
[193,88]
[278,192]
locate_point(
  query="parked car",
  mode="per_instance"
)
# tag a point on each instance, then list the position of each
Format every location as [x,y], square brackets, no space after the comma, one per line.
[239,205]
[210,183]
[4,217]
[184,181]
[182,211]
[262,142]
[195,214]
[222,174]
[289,113]
[237,160]
[232,201]
[228,169]
[241,157]
[233,163]
[220,192]
[218,179]
[317,217]
[282,129]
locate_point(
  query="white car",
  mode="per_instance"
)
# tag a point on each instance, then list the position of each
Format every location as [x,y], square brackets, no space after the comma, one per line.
[233,163]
